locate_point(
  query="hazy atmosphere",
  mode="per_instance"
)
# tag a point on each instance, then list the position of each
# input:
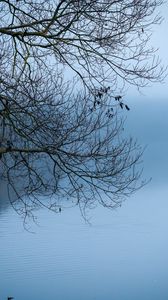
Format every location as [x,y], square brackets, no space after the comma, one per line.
[110,248]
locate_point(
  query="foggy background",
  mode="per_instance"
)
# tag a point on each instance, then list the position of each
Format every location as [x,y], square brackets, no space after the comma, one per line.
[123,253]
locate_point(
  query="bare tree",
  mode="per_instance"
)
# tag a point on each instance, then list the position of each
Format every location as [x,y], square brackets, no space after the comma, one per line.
[61,145]
[59,141]
[97,39]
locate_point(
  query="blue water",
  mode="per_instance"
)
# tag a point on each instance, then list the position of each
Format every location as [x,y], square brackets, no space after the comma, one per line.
[122,255]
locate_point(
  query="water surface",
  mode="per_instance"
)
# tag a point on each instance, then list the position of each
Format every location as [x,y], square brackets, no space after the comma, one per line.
[121,256]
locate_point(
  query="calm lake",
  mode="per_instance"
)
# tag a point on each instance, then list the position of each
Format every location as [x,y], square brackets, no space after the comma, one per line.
[122,255]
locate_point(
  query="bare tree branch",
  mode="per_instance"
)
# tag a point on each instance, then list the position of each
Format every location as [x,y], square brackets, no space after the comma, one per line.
[60,139]
[90,37]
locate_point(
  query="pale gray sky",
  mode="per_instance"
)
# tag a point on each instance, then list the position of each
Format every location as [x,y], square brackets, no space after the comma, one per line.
[159,41]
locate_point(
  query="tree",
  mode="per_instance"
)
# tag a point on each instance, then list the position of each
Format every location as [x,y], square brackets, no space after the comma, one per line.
[57,145]
[97,39]
[62,139]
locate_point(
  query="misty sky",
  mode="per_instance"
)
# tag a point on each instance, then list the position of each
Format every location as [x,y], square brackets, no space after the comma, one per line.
[148,118]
